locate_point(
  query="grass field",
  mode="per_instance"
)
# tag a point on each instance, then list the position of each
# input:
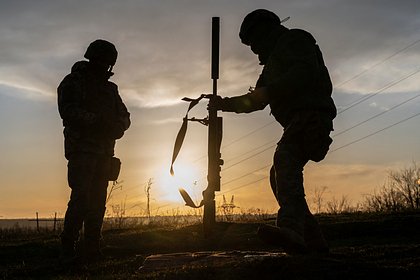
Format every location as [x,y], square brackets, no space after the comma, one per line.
[363,246]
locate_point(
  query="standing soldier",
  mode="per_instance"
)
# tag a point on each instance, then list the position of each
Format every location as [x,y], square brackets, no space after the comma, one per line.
[94,116]
[296,84]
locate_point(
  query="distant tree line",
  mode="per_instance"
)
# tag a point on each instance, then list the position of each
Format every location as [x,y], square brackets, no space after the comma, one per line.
[400,193]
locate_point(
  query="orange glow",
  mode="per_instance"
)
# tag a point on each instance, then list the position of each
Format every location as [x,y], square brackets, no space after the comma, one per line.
[185,177]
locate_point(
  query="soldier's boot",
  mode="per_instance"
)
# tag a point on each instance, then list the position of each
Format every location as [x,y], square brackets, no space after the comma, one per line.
[289,230]
[73,222]
[68,248]
[290,240]
[68,251]
[93,251]
[314,239]
[286,180]
[92,234]
[287,234]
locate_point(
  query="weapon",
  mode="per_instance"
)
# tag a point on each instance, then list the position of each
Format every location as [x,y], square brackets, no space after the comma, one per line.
[214,124]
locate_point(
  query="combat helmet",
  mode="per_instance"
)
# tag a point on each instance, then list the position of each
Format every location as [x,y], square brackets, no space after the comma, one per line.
[101,50]
[255,18]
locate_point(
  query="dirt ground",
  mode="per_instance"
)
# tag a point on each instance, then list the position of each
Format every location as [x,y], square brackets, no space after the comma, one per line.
[363,246]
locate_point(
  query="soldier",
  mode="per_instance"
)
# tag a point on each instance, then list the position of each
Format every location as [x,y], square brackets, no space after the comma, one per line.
[295,83]
[94,116]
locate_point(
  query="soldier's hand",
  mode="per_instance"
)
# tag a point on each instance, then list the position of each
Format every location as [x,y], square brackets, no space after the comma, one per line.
[255,99]
[215,103]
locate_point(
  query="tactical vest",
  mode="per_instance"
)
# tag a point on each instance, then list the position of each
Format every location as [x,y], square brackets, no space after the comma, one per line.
[298,77]
[94,97]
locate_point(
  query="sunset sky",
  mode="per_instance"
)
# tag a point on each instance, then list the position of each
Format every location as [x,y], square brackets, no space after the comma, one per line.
[372,49]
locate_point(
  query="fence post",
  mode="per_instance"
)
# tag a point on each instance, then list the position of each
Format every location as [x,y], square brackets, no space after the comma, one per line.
[37,222]
[55,221]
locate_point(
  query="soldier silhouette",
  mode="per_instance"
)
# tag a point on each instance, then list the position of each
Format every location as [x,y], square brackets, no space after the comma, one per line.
[295,83]
[94,116]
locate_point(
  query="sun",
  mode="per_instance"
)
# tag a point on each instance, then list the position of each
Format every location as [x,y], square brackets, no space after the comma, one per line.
[186,176]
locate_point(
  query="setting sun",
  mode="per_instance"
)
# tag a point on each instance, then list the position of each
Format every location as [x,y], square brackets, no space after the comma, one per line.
[186,177]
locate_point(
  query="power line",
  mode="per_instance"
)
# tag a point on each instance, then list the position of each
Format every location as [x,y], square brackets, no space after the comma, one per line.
[375,116]
[357,102]
[236,163]
[378,63]
[242,186]
[250,151]
[240,138]
[364,98]
[376,132]
[249,173]
[381,90]
[124,190]
[346,145]
[358,140]
[224,169]
[248,134]
[341,147]
[340,112]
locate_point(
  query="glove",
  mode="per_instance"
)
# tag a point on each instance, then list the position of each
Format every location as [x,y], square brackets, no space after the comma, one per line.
[220,104]
[215,103]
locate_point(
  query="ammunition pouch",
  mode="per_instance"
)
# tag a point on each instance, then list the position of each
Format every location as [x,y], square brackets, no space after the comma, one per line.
[317,145]
[311,130]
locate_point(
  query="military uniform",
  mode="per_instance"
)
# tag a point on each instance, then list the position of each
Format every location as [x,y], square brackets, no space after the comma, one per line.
[300,99]
[298,88]
[94,116]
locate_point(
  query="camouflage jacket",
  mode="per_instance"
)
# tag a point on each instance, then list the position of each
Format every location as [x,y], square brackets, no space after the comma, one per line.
[93,113]
[296,77]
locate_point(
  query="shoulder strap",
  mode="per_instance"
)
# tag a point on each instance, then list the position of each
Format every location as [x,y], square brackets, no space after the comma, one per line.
[183,130]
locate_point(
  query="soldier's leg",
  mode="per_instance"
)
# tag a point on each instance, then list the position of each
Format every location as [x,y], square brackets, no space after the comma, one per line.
[273,185]
[316,142]
[288,165]
[286,181]
[80,175]
[314,239]
[313,236]
[96,210]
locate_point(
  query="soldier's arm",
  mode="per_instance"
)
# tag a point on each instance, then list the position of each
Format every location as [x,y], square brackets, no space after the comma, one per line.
[116,126]
[123,114]
[252,101]
[69,105]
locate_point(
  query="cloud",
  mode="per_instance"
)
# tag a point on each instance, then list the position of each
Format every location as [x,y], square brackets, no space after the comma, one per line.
[165,44]
[17,91]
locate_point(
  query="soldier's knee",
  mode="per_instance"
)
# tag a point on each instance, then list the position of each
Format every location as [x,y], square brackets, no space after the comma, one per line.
[286,164]
[288,173]
[79,200]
